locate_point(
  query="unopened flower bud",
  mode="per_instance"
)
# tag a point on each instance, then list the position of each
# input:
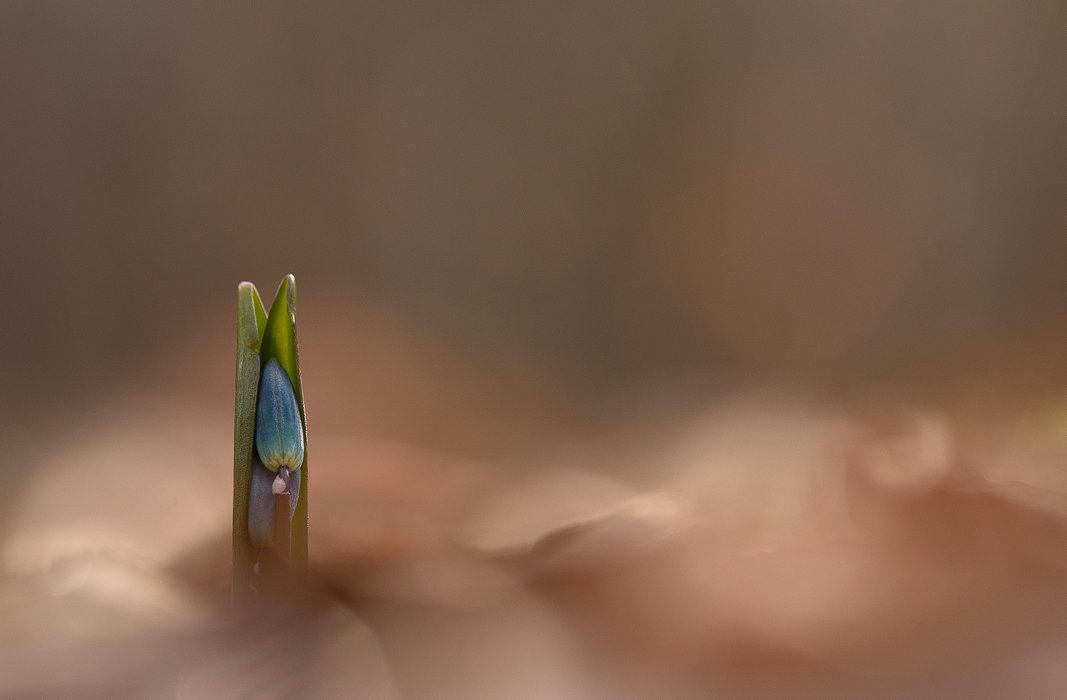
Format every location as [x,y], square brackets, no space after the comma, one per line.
[279,429]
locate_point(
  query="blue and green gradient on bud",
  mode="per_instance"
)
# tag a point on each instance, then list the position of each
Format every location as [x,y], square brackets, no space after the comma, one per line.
[279,430]
[270,437]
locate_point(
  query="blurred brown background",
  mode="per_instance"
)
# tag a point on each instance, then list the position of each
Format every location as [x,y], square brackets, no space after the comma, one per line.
[599,195]
[542,249]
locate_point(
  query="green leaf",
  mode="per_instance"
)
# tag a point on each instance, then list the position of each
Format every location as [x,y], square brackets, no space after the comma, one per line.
[251,321]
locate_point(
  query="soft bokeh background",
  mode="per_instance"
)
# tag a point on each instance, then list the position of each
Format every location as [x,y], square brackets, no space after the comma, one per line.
[551,257]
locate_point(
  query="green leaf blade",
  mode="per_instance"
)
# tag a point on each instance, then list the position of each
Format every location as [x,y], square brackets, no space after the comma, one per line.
[249,333]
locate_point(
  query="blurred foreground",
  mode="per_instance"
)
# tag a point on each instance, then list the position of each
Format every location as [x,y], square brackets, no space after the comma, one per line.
[764,546]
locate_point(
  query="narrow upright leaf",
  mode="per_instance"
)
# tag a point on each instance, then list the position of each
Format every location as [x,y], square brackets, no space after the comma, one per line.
[251,321]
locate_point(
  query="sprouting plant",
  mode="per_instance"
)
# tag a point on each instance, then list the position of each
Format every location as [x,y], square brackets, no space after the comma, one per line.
[269,443]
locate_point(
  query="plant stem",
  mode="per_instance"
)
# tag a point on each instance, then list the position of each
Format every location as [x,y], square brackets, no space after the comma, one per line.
[283,526]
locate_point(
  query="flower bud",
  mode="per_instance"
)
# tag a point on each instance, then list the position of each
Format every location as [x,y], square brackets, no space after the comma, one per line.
[279,429]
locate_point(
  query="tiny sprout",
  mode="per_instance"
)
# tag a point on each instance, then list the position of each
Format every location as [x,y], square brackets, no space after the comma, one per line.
[270,508]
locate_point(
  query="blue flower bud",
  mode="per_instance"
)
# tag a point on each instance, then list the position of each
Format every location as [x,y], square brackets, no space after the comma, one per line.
[279,430]
[261,502]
